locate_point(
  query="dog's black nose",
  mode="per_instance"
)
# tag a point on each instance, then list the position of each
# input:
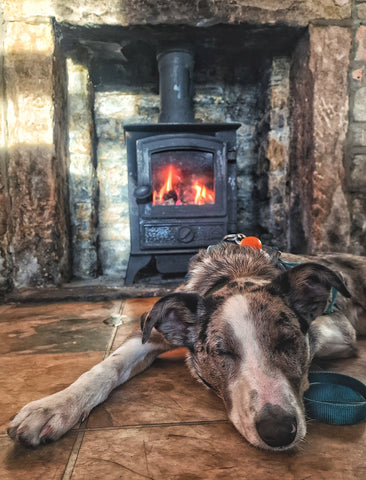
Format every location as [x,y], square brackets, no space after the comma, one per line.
[276,427]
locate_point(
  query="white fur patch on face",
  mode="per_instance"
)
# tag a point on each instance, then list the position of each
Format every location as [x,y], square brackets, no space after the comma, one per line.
[258,382]
[257,281]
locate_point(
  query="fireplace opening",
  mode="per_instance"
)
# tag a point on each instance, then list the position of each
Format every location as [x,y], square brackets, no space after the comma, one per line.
[236,86]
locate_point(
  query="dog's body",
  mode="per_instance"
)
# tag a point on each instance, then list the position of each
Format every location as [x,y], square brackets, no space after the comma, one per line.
[251,330]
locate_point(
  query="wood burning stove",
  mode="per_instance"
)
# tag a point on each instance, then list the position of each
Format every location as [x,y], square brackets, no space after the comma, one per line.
[181,176]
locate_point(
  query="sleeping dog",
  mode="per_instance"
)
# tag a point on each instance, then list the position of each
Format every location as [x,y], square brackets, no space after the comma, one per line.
[251,329]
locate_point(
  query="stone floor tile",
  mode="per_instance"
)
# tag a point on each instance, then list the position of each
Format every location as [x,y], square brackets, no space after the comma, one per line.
[56,328]
[4,309]
[46,463]
[25,378]
[217,451]
[160,425]
[165,393]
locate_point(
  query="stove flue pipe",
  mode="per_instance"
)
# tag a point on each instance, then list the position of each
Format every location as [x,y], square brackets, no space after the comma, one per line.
[176,85]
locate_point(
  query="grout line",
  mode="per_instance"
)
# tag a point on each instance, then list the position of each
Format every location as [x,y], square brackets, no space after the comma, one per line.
[69,469]
[159,425]
[121,307]
[114,333]
[110,343]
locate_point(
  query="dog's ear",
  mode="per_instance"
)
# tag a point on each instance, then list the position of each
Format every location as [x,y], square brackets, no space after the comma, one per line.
[306,289]
[176,316]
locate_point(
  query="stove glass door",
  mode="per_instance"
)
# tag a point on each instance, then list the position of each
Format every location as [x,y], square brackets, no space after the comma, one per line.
[183,177]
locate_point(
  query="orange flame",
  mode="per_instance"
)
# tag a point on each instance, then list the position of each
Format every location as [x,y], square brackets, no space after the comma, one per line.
[178,191]
[203,195]
[172,178]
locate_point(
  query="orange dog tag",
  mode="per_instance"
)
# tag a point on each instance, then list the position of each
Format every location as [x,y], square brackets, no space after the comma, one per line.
[252,242]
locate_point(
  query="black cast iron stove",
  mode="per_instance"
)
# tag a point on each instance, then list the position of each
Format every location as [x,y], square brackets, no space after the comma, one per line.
[181,176]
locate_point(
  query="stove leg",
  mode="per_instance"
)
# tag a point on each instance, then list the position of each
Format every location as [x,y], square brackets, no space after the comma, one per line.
[135,264]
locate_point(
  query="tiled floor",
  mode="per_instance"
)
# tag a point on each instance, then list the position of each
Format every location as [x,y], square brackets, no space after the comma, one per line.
[160,425]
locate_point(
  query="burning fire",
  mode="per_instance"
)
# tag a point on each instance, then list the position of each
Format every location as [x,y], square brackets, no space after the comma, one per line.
[177,190]
[203,195]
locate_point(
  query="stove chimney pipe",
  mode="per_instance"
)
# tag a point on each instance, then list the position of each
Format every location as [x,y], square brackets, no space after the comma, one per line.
[176,85]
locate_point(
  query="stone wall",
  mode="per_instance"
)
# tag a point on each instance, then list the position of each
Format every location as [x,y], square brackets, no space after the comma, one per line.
[356,148]
[191,12]
[301,162]
[112,111]
[302,142]
[329,58]
[83,183]
[272,161]
[36,170]
[5,259]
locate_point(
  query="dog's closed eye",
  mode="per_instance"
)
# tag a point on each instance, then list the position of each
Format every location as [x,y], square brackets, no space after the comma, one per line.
[226,353]
[223,348]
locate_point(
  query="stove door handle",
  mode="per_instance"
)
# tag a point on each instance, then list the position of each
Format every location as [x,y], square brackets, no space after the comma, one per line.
[143,192]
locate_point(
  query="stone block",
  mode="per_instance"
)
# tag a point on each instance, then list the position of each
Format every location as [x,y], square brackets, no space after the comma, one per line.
[360,39]
[200,13]
[359,224]
[4,273]
[271,184]
[5,278]
[107,129]
[358,134]
[361,11]
[359,105]
[114,257]
[329,61]
[29,83]
[4,208]
[83,184]
[357,180]
[27,10]
[85,261]
[277,154]
[194,12]
[336,231]
[37,234]
[36,157]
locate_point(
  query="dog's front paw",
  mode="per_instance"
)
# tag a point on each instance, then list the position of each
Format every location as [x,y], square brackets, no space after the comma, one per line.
[45,420]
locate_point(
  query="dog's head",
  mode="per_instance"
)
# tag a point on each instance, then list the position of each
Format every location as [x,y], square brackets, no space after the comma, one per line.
[249,344]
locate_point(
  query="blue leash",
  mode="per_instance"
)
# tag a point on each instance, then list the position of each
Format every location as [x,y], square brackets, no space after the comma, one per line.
[335,398]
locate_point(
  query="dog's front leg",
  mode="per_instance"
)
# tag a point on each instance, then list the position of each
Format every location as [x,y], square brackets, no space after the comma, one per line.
[49,418]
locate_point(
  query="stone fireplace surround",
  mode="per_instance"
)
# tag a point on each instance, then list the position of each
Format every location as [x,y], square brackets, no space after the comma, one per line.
[72,73]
